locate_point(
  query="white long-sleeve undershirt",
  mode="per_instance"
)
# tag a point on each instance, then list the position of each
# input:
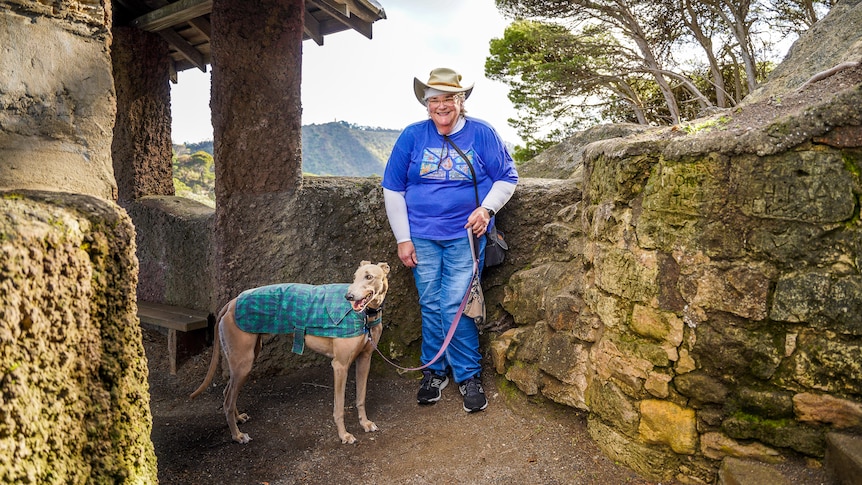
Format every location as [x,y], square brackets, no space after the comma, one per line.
[499,194]
[396,211]
[396,207]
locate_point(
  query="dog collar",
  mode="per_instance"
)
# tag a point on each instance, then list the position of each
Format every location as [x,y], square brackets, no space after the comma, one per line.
[373,312]
[373,316]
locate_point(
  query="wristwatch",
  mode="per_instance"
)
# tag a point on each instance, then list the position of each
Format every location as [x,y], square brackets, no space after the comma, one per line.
[490,211]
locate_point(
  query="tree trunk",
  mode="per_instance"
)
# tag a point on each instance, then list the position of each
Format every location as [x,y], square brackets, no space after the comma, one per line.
[692,22]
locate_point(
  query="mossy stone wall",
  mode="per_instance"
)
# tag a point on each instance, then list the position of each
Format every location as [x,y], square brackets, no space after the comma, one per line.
[74,402]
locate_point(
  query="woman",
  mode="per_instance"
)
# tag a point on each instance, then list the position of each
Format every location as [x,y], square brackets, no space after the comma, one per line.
[431,203]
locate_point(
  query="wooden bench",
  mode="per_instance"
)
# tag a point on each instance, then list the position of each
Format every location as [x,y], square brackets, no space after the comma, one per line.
[174,319]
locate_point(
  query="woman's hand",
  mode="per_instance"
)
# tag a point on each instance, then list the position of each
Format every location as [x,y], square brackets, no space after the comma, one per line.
[407,254]
[478,221]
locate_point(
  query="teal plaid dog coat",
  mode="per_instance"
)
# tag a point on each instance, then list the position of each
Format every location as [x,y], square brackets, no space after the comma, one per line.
[300,309]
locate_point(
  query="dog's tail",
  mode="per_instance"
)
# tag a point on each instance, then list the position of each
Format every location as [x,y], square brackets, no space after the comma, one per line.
[216,352]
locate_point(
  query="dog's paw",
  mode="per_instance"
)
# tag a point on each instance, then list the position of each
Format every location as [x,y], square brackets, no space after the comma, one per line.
[242,418]
[242,439]
[369,426]
[348,439]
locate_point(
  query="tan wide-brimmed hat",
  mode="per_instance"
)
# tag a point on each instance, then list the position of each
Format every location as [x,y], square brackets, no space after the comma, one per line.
[442,79]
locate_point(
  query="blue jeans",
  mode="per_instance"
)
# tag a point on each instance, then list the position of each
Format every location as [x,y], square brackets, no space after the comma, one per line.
[442,276]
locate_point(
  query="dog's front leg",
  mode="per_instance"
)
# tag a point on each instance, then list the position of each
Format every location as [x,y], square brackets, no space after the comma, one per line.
[363,367]
[339,372]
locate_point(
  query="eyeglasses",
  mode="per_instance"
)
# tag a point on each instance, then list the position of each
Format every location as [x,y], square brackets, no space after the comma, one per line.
[447,101]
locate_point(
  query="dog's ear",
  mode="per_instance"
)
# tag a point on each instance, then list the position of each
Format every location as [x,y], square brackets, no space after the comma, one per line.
[363,263]
[384,267]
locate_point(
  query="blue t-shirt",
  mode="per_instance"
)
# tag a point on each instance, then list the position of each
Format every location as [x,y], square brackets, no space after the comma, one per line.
[437,182]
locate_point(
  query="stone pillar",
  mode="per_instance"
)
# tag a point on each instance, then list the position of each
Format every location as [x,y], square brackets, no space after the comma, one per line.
[75,399]
[57,97]
[256,113]
[141,149]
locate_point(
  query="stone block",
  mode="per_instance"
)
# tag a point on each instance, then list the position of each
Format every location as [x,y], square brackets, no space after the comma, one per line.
[657,384]
[500,348]
[563,312]
[610,403]
[843,374]
[717,446]
[632,275]
[588,326]
[526,377]
[685,363]
[530,344]
[656,324]
[609,360]
[701,388]
[680,188]
[612,311]
[668,424]
[727,347]
[565,358]
[172,270]
[770,403]
[739,290]
[530,293]
[570,395]
[780,433]
[648,461]
[823,408]
[744,472]
[844,458]
[822,298]
[805,186]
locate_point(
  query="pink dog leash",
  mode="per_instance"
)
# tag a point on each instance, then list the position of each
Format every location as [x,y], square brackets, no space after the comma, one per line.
[452,327]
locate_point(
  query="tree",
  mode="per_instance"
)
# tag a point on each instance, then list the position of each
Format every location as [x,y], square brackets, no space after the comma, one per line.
[569,62]
[625,19]
[195,174]
[797,16]
[553,73]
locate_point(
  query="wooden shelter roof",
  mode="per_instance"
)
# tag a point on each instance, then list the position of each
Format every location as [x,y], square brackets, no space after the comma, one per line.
[185,24]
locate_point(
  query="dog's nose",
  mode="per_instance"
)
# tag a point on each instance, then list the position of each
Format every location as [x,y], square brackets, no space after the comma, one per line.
[349,296]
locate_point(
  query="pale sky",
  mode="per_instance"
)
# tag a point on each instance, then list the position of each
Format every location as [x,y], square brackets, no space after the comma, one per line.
[370,82]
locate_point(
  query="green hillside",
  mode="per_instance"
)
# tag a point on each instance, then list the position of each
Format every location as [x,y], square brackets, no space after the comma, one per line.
[340,148]
[336,148]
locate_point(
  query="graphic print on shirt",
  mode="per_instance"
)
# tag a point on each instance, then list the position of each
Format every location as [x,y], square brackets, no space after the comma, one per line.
[445,164]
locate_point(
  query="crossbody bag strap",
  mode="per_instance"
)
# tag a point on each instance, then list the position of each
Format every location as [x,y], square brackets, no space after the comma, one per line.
[469,165]
[475,183]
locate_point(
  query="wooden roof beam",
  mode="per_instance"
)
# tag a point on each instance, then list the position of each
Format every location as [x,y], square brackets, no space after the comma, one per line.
[173,14]
[203,25]
[337,11]
[367,10]
[311,27]
[185,49]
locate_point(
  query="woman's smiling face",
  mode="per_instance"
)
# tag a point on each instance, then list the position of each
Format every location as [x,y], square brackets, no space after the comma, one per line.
[445,110]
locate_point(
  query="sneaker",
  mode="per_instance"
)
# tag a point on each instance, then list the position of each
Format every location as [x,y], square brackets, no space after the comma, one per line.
[431,387]
[474,395]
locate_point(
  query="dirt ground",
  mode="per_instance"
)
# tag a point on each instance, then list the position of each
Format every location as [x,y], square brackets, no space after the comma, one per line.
[294,438]
[515,440]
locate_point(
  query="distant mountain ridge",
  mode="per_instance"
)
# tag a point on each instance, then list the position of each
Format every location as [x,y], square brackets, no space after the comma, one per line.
[336,148]
[341,148]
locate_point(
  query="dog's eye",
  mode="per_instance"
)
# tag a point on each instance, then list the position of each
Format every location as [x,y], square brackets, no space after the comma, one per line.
[369,276]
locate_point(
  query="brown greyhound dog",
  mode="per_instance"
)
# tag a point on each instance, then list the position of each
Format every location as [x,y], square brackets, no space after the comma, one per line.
[340,321]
